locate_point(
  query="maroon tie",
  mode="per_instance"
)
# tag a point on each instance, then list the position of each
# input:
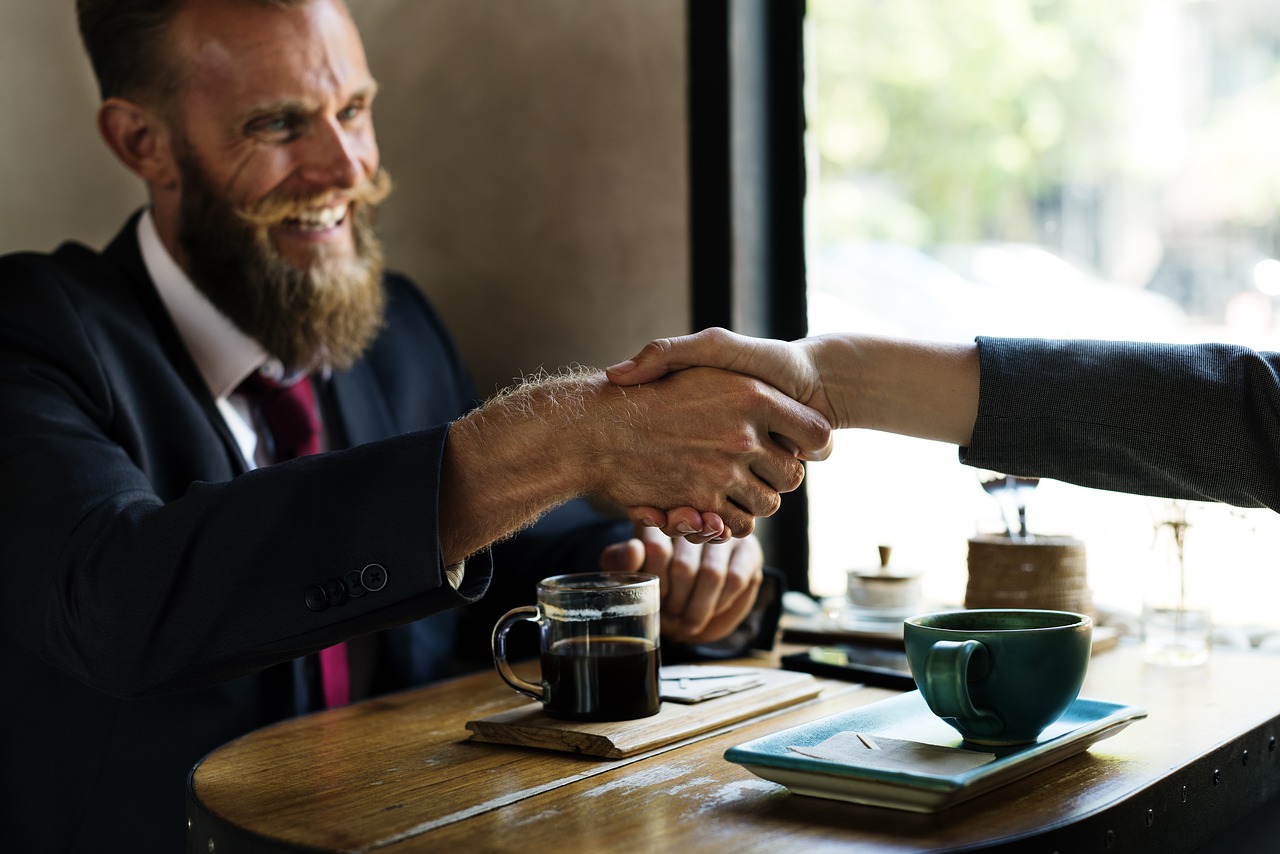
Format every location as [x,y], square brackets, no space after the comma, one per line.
[290,415]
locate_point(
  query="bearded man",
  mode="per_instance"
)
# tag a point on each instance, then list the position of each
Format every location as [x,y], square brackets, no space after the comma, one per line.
[172,580]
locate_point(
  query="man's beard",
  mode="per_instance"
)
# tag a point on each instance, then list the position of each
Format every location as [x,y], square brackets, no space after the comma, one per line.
[326,313]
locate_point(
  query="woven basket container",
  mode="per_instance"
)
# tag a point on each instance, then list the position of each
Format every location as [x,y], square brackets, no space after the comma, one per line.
[1046,572]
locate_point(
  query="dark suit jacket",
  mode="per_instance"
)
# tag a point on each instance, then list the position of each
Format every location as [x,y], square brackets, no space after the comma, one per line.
[154,595]
[1193,421]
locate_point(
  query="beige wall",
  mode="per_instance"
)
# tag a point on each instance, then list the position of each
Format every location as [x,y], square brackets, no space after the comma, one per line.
[538,148]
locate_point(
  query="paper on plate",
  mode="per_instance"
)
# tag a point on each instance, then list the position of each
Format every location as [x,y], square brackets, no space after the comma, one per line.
[853,749]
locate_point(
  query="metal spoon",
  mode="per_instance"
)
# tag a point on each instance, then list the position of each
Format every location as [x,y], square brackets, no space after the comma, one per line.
[1022,488]
[997,486]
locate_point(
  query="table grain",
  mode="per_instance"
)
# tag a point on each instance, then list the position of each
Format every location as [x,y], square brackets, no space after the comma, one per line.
[399,774]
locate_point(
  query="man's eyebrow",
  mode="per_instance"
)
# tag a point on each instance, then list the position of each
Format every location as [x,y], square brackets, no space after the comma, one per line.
[300,107]
[276,108]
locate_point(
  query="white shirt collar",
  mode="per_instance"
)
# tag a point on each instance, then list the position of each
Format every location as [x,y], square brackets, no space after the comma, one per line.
[223,354]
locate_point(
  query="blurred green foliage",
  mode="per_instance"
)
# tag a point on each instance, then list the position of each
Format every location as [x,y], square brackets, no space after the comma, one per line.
[1006,84]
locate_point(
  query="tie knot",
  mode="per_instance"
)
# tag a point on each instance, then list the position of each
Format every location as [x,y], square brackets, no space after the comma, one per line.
[289,411]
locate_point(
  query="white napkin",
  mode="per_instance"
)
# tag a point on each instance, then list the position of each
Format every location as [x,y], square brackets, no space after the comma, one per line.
[694,683]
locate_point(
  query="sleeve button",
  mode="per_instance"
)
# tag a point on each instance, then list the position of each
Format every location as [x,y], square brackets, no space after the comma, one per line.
[355,587]
[373,577]
[337,591]
[317,599]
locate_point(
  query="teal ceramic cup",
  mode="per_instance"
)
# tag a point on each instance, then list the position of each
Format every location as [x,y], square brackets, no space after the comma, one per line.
[999,676]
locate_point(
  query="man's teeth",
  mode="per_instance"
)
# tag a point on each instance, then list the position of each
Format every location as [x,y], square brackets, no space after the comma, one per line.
[320,219]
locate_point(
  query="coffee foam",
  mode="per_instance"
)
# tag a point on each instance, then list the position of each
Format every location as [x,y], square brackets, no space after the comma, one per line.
[584,615]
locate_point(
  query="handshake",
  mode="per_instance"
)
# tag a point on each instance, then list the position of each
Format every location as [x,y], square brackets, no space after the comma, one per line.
[805,389]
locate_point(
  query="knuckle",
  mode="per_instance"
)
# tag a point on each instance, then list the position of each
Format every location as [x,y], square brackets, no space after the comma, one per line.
[743,524]
[794,475]
[717,335]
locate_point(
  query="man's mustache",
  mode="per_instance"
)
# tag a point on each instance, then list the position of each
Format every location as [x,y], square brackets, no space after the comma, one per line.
[279,205]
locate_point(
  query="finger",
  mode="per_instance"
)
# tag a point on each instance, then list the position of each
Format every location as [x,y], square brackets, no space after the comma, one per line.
[814,456]
[685,520]
[709,585]
[682,572]
[742,586]
[723,623]
[738,519]
[656,549]
[712,523]
[694,526]
[754,495]
[649,517]
[714,529]
[777,470]
[744,571]
[801,428]
[623,557]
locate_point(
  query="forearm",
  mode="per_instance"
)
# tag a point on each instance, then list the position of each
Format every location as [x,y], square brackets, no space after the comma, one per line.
[511,461]
[916,388]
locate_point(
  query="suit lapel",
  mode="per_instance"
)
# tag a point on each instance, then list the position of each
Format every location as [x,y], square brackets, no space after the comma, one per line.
[125,255]
[358,408]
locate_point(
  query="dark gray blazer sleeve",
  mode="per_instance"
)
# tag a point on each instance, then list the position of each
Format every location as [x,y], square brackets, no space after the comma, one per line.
[1197,421]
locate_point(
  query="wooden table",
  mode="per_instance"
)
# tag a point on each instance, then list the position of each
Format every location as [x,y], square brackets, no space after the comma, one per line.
[399,774]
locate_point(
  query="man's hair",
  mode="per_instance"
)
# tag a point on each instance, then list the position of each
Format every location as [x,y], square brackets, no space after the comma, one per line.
[128,45]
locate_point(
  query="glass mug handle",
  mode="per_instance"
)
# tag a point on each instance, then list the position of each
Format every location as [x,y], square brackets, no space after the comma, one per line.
[528,613]
[948,668]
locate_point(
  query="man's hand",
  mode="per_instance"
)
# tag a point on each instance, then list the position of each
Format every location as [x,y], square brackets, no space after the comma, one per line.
[706,590]
[788,367]
[704,438]
[791,367]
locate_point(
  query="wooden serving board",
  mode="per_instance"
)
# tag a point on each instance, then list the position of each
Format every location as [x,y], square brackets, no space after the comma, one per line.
[528,726]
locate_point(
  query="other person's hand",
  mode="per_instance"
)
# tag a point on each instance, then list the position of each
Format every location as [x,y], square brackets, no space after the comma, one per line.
[707,590]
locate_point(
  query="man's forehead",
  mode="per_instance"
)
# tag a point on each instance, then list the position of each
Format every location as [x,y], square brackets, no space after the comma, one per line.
[257,52]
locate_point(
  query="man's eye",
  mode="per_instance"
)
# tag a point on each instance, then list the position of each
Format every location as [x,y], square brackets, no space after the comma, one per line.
[274,126]
[351,113]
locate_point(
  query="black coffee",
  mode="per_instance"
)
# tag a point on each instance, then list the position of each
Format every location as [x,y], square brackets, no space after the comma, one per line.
[594,679]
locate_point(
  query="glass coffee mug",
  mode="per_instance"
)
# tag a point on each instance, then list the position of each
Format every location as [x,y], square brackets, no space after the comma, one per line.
[999,676]
[599,645]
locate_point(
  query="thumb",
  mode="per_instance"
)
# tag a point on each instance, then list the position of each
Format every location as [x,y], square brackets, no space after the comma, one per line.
[709,348]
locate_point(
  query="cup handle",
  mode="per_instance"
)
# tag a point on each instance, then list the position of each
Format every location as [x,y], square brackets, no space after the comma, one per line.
[949,667]
[509,619]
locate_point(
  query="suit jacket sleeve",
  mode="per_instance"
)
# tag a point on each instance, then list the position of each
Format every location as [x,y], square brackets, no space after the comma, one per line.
[136,559]
[1177,421]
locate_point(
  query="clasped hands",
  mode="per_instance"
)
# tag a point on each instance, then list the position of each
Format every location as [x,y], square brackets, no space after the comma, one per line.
[709,574]
[792,368]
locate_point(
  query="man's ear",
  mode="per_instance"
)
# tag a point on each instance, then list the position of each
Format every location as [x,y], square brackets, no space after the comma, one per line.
[141,140]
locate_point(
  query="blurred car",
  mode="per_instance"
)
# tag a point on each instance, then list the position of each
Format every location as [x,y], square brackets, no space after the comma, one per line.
[1054,297]
[890,289]
[977,289]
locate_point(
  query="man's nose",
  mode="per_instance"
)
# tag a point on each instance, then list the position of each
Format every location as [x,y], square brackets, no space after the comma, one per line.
[333,157]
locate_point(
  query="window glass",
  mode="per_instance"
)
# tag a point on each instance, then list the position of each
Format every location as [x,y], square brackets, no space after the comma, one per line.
[1055,168]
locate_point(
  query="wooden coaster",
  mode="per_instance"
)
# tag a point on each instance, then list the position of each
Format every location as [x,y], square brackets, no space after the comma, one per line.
[529,726]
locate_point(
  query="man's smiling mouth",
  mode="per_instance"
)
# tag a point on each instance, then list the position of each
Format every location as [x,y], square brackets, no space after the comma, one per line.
[319,219]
